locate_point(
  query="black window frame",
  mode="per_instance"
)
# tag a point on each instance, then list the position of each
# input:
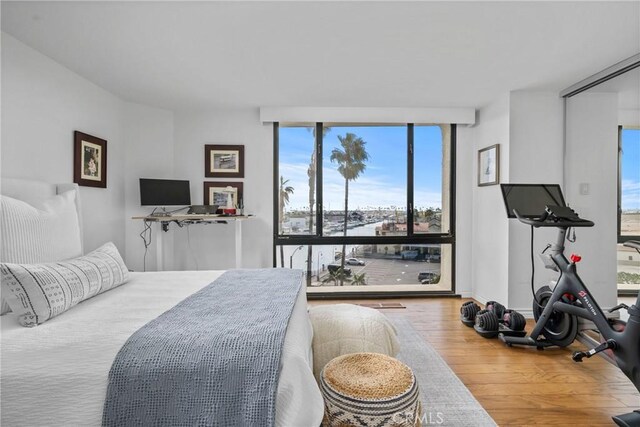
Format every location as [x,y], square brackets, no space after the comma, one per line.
[410,238]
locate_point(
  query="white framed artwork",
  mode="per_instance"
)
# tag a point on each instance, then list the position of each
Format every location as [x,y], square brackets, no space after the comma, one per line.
[489,165]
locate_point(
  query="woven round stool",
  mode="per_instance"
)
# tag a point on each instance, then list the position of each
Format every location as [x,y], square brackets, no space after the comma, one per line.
[369,389]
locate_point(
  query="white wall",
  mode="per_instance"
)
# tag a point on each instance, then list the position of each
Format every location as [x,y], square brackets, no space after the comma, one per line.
[465,156]
[592,158]
[629,118]
[530,128]
[536,132]
[212,245]
[42,104]
[148,136]
[490,241]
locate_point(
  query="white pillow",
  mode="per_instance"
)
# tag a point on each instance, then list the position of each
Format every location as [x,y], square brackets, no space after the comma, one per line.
[38,292]
[346,328]
[47,233]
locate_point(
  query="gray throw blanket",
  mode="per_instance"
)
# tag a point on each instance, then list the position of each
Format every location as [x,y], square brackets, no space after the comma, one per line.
[212,360]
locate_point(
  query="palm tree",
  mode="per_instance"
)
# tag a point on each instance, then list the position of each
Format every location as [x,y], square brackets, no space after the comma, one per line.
[351,163]
[311,173]
[336,276]
[285,191]
[359,279]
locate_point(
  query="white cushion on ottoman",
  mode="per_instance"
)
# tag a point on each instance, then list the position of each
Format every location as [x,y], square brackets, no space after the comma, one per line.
[346,328]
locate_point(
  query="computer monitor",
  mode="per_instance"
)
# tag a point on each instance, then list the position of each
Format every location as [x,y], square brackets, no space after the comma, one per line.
[164,192]
[530,200]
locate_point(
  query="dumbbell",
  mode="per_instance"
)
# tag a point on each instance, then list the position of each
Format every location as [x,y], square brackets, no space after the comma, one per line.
[496,318]
[509,318]
[514,320]
[468,313]
[487,323]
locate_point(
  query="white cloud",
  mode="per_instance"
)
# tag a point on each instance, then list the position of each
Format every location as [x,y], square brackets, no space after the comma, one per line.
[298,179]
[366,192]
[630,194]
[630,185]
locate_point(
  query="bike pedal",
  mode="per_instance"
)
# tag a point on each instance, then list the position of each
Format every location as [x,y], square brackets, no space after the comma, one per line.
[618,307]
[632,419]
[607,345]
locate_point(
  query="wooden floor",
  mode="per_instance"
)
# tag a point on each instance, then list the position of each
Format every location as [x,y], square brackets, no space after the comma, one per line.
[520,386]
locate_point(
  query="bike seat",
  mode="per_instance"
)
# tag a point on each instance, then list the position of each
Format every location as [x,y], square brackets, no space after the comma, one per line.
[635,244]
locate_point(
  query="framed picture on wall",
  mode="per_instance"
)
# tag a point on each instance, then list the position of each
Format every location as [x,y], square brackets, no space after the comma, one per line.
[489,165]
[223,193]
[89,160]
[224,161]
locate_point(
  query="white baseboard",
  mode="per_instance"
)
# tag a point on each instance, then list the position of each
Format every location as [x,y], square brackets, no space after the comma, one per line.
[527,313]
[482,300]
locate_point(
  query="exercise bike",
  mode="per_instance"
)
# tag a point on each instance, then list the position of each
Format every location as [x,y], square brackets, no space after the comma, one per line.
[556,310]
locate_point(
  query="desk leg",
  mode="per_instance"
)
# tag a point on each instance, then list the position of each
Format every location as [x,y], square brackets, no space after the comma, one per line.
[238,243]
[159,248]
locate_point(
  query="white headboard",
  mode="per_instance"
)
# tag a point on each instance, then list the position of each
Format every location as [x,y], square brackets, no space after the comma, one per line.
[35,192]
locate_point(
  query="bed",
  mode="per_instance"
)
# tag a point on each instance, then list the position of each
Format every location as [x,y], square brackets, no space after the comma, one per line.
[56,373]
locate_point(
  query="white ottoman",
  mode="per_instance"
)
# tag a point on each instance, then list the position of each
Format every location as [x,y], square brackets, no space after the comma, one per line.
[346,328]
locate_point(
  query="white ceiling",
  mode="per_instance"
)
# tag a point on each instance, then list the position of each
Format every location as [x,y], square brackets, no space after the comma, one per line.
[188,55]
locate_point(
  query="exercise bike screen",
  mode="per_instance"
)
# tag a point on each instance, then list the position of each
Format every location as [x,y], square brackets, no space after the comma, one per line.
[530,200]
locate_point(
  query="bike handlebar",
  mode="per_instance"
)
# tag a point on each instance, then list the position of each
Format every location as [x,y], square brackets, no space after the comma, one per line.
[546,221]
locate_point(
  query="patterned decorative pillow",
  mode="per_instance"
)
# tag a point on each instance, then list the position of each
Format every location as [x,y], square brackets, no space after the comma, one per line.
[38,292]
[34,234]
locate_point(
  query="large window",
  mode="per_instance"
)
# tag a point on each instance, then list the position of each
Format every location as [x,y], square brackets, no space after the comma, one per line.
[297,180]
[365,207]
[365,169]
[628,209]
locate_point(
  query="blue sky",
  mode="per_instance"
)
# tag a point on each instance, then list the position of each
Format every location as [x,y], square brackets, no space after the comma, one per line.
[630,169]
[384,181]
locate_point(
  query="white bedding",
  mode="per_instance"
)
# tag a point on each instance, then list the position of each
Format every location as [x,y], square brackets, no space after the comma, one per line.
[56,373]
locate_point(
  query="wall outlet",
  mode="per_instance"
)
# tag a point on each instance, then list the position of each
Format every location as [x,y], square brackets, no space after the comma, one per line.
[584,189]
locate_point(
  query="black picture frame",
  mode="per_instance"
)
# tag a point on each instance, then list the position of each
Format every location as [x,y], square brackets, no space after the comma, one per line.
[223,161]
[89,160]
